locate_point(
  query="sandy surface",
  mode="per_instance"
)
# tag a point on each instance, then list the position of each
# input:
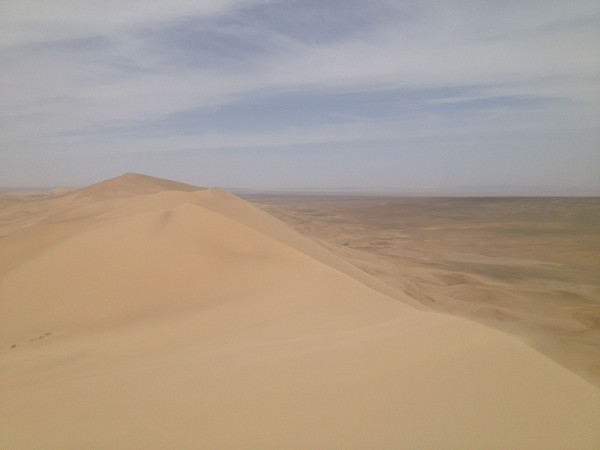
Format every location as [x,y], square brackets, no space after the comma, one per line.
[145,313]
[526,266]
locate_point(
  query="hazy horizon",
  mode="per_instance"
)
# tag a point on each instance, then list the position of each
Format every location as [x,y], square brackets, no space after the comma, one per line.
[458,191]
[423,96]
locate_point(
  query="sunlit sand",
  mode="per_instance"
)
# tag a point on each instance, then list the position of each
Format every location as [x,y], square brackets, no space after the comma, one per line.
[145,313]
[526,266]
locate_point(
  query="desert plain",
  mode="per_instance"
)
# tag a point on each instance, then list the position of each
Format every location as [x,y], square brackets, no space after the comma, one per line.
[529,266]
[145,313]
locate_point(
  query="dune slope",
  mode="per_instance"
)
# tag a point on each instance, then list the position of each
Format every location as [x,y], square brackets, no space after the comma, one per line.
[141,312]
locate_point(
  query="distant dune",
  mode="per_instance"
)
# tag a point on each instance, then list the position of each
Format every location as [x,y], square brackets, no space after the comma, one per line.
[146,313]
[131,184]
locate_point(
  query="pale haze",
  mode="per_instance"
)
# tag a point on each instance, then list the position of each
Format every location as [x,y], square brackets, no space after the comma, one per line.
[453,96]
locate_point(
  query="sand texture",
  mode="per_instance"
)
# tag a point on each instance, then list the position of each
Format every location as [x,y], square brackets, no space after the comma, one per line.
[526,266]
[144,313]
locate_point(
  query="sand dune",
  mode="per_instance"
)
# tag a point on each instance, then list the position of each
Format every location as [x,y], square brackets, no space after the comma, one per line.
[146,313]
[131,184]
[529,267]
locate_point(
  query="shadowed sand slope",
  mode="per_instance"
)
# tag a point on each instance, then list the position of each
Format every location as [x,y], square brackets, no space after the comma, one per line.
[153,314]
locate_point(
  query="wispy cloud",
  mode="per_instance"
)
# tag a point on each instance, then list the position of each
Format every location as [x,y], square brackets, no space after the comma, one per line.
[123,76]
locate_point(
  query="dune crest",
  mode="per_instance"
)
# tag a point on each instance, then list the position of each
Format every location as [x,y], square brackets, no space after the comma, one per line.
[150,313]
[131,184]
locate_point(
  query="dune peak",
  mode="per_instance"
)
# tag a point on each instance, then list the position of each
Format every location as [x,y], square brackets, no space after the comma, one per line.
[130,184]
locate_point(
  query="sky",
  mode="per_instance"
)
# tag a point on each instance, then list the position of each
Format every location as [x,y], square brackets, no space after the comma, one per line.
[407,96]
